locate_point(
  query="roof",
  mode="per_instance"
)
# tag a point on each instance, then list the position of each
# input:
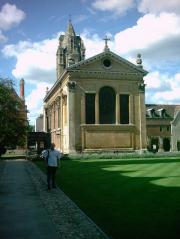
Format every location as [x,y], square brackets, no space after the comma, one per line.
[171,110]
[106,54]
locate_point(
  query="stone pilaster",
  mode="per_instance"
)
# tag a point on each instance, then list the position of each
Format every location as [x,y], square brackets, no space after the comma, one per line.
[61,125]
[83,120]
[131,110]
[142,117]
[49,118]
[117,109]
[54,115]
[45,118]
[160,145]
[97,108]
[71,121]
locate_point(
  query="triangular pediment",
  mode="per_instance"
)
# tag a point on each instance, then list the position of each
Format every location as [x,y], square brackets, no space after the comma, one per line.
[109,62]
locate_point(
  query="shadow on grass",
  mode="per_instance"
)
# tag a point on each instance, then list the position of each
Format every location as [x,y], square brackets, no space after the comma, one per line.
[124,207]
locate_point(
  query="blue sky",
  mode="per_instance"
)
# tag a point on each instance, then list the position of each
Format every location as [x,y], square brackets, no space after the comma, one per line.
[29,32]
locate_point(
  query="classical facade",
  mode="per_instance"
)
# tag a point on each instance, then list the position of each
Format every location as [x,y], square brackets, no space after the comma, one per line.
[96,104]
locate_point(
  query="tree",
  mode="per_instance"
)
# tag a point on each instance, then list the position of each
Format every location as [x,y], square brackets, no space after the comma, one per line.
[12,126]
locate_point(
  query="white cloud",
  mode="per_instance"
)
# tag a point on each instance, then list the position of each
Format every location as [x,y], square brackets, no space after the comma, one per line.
[34,100]
[93,44]
[36,62]
[80,18]
[153,80]
[157,38]
[149,30]
[162,88]
[2,37]
[176,82]
[158,6]
[116,6]
[10,16]
[143,6]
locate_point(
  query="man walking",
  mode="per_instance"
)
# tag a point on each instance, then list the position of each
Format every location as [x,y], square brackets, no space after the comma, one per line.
[52,161]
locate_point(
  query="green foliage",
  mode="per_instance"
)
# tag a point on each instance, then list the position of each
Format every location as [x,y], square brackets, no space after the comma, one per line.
[12,127]
[30,128]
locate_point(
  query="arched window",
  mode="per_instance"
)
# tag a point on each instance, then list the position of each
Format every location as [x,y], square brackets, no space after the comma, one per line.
[107,102]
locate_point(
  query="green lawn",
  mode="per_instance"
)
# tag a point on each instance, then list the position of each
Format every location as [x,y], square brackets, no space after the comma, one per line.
[134,199]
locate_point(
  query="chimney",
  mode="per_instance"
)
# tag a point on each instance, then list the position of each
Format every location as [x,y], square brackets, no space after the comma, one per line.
[22,89]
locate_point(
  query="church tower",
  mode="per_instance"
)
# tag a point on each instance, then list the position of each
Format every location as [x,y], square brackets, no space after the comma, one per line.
[71,50]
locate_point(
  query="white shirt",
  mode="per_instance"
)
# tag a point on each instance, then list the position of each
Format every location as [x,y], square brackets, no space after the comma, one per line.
[53,158]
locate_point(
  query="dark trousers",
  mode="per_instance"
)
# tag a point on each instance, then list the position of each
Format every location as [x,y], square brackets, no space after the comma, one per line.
[51,172]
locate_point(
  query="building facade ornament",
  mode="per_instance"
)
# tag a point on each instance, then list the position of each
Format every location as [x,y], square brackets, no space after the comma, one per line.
[71,85]
[141,87]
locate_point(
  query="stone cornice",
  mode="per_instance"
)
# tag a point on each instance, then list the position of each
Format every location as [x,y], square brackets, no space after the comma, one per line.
[107,127]
[104,74]
[57,83]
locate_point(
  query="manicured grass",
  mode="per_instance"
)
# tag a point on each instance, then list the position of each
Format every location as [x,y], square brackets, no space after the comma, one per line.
[128,199]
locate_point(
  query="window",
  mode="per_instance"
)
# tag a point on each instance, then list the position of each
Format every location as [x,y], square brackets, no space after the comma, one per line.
[90,108]
[107,101]
[161,128]
[107,63]
[47,122]
[178,145]
[124,109]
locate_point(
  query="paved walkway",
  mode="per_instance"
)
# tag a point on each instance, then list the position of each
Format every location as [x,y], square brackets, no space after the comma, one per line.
[29,211]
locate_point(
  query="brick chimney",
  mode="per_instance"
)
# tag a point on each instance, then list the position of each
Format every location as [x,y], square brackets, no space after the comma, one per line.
[22,89]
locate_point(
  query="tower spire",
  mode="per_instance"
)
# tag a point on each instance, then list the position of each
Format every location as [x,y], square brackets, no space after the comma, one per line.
[70,29]
[70,50]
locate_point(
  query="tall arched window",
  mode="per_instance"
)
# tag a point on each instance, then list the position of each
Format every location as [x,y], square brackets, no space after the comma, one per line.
[107,103]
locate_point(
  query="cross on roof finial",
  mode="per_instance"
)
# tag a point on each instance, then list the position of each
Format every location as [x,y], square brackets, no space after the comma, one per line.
[106,39]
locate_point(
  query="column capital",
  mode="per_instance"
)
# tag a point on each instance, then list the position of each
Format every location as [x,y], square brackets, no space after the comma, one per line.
[57,101]
[71,85]
[141,87]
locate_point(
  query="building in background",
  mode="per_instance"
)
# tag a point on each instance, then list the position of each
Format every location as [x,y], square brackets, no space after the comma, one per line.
[163,127]
[39,123]
[22,109]
[175,131]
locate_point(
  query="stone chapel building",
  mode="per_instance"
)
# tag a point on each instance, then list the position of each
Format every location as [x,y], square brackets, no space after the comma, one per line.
[96,104]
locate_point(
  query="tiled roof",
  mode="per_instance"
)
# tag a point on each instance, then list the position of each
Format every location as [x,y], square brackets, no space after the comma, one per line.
[170,110]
